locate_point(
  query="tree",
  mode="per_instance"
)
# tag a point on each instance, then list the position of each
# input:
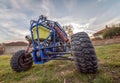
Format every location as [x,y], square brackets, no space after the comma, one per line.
[68,29]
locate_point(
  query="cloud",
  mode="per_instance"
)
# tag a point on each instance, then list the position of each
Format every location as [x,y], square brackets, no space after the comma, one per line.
[88,16]
[15,18]
[15,4]
[69,4]
[10,25]
[102,0]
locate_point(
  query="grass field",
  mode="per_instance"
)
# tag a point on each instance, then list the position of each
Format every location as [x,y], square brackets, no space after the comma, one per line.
[65,71]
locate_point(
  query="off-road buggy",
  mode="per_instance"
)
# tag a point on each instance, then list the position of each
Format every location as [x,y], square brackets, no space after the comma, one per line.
[49,41]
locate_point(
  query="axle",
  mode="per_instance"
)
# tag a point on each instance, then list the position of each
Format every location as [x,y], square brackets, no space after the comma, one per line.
[58,53]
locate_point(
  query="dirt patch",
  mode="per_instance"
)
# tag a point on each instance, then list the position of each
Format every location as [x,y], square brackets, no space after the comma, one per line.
[29,79]
[65,72]
[113,72]
[106,41]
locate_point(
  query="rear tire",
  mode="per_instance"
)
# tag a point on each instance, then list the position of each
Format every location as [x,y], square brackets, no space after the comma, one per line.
[84,53]
[19,62]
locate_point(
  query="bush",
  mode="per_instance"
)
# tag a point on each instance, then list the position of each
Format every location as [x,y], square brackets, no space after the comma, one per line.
[110,33]
[2,50]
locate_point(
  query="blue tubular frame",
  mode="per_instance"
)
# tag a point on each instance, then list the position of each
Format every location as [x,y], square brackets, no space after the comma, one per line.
[39,51]
[40,45]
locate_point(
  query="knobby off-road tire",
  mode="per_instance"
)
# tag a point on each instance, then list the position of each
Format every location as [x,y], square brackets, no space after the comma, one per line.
[84,54]
[19,62]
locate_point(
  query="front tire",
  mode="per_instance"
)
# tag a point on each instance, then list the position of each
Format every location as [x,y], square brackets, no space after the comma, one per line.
[84,53]
[21,62]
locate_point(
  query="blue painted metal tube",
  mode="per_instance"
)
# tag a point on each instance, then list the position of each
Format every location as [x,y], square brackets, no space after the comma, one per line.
[38,37]
[32,35]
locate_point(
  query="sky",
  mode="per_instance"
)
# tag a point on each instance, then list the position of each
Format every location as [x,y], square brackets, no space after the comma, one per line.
[84,15]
